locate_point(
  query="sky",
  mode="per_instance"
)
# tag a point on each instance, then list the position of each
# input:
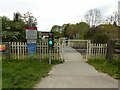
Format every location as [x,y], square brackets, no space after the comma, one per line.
[56,12]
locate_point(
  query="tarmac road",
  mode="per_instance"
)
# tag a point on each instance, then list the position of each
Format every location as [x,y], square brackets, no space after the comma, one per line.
[76,73]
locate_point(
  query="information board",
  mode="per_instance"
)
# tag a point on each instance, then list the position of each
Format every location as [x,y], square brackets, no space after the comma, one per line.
[31,32]
[31,48]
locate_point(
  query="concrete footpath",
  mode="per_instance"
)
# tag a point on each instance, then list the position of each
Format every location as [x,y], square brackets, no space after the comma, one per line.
[76,73]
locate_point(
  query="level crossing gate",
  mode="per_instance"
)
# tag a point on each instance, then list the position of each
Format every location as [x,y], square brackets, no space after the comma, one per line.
[82,46]
[87,49]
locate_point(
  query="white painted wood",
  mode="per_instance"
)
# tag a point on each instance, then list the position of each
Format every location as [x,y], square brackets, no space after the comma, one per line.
[19,49]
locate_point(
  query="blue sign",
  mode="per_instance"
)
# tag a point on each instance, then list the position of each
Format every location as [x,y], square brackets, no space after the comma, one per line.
[31,48]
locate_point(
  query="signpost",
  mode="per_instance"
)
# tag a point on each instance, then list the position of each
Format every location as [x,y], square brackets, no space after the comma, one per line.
[31,36]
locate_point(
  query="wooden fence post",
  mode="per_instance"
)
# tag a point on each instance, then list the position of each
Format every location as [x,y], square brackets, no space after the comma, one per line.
[109,50]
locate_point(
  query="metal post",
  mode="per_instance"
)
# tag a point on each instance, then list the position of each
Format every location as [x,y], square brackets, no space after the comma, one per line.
[50,55]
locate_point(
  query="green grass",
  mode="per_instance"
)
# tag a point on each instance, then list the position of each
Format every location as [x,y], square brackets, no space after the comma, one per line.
[24,73]
[111,68]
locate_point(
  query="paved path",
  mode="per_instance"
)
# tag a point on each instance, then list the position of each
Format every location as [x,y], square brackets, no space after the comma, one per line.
[76,73]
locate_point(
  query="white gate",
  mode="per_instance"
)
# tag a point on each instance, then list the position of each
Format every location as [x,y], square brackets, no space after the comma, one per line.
[87,49]
[82,46]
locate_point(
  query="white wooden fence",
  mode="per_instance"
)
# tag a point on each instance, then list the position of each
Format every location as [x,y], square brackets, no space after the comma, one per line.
[91,50]
[19,51]
[97,50]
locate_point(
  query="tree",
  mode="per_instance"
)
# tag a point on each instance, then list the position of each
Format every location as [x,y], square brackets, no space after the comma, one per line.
[28,18]
[93,17]
[5,23]
[112,18]
[82,29]
[14,30]
[110,30]
[71,30]
[64,29]
[16,16]
[100,38]
[103,33]
[57,31]
[60,30]
[55,28]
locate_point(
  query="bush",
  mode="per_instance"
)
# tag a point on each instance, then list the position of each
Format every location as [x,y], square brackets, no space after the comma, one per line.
[100,38]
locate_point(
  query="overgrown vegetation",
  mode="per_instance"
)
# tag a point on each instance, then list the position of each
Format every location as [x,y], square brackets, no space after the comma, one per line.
[102,33]
[111,68]
[25,73]
[14,30]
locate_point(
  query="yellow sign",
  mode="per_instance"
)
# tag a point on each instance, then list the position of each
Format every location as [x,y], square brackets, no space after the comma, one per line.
[2,47]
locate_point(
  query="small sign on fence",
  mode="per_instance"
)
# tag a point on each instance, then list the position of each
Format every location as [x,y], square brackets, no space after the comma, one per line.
[5,49]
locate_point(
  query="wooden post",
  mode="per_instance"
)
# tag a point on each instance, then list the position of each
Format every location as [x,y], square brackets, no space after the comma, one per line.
[87,49]
[89,52]
[20,45]
[40,51]
[109,50]
[18,50]
[8,52]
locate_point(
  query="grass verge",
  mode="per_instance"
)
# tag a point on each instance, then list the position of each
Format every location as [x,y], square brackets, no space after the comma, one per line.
[24,73]
[111,68]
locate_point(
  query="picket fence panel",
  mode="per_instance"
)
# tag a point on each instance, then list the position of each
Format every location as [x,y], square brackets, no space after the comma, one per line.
[19,51]
[97,50]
